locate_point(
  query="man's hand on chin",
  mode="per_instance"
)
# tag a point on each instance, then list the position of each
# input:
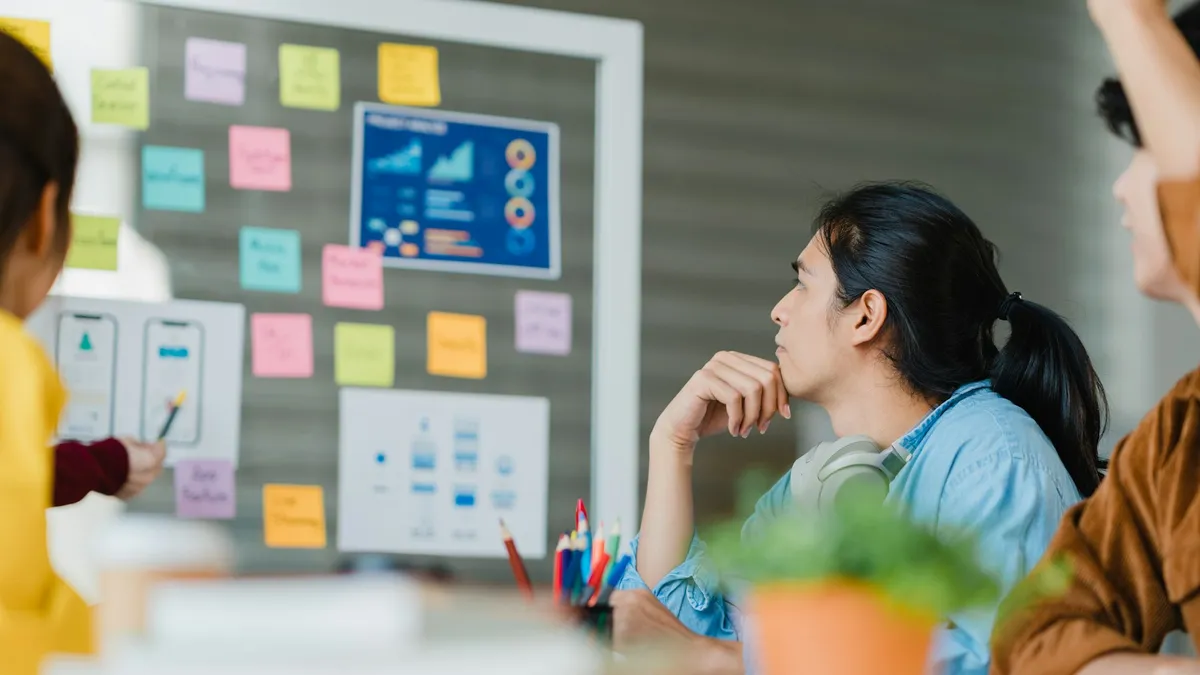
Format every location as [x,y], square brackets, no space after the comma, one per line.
[640,620]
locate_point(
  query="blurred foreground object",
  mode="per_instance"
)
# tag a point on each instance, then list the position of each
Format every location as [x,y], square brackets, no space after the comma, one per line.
[858,590]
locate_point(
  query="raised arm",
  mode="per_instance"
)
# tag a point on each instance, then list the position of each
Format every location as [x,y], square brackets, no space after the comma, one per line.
[1161,77]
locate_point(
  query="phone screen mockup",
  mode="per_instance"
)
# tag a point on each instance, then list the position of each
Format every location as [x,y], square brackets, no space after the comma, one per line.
[174,356]
[86,356]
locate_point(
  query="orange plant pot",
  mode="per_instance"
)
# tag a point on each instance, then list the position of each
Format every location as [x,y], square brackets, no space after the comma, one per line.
[836,628]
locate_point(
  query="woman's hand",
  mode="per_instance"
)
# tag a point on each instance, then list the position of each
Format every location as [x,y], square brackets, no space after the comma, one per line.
[733,392]
[145,464]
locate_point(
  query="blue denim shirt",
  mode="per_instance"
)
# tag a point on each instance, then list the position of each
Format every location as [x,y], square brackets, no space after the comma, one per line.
[978,461]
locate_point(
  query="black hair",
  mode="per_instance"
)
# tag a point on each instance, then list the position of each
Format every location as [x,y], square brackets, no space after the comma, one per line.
[1113,104]
[944,294]
[39,143]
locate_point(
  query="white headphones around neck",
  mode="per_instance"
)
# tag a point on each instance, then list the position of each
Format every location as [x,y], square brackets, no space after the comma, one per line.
[821,473]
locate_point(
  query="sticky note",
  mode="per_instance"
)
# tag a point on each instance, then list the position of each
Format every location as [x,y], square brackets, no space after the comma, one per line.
[121,97]
[215,71]
[172,179]
[281,345]
[408,75]
[364,355]
[352,277]
[205,488]
[93,242]
[543,322]
[457,345]
[260,158]
[309,77]
[34,34]
[269,259]
[293,516]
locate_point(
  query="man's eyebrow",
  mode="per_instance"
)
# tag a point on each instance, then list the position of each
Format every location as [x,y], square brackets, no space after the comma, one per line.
[799,267]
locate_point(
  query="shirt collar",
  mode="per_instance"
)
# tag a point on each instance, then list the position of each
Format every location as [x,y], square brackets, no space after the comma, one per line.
[913,440]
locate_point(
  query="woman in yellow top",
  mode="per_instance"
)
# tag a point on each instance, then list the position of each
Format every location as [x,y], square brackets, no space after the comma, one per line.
[39,148]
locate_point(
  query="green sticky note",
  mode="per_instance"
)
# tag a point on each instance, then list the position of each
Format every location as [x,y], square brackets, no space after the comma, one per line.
[93,243]
[309,77]
[121,97]
[364,355]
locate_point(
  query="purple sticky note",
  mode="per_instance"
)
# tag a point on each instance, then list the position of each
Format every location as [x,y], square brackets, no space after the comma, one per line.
[204,488]
[215,71]
[543,322]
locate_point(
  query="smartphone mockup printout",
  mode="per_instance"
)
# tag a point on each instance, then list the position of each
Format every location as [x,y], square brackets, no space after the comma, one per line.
[173,363]
[86,356]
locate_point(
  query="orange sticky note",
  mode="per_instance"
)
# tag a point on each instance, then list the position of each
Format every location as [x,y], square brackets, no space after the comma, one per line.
[35,35]
[293,516]
[457,345]
[408,75]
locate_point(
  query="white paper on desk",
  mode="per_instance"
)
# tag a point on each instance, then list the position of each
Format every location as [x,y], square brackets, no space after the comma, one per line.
[124,361]
[425,472]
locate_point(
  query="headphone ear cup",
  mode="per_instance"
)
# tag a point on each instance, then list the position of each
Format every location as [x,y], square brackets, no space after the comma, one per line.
[856,480]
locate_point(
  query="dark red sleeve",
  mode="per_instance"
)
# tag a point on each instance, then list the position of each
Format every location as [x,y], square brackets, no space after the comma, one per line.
[80,468]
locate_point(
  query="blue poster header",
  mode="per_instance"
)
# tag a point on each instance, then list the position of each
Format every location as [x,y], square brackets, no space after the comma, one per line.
[456,192]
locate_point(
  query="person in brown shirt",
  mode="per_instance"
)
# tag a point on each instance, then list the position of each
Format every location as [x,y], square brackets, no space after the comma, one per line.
[1134,546]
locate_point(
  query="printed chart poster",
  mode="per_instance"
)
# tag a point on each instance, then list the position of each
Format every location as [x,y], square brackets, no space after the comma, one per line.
[125,362]
[424,472]
[455,192]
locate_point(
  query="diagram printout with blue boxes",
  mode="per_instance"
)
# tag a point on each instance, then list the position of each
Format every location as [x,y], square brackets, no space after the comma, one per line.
[445,466]
[456,192]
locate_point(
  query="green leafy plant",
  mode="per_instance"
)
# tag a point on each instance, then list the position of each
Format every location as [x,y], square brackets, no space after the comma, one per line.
[866,542]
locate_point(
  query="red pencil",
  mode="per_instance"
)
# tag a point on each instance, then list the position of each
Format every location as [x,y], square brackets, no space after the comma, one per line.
[597,580]
[514,560]
[580,510]
[563,544]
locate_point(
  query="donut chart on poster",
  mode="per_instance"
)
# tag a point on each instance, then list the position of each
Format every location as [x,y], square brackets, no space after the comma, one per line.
[456,192]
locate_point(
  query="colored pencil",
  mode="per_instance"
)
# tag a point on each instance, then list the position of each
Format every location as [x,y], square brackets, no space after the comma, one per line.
[612,546]
[612,580]
[514,560]
[595,581]
[580,510]
[598,545]
[585,536]
[577,580]
[175,405]
[559,552]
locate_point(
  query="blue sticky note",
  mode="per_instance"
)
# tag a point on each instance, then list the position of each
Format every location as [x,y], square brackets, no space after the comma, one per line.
[173,179]
[270,260]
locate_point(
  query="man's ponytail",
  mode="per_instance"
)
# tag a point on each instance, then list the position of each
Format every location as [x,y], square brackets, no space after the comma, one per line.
[1045,369]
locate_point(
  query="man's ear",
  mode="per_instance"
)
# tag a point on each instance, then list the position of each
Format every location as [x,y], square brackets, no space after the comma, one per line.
[869,313]
[39,232]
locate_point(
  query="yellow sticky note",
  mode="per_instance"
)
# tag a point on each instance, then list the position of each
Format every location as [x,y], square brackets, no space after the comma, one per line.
[121,97]
[408,75]
[364,355]
[293,516]
[457,345]
[309,77]
[35,35]
[93,242]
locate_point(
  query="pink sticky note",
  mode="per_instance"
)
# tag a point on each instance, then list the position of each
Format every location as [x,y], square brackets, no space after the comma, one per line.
[543,322]
[282,345]
[260,158]
[353,277]
[205,488]
[215,71]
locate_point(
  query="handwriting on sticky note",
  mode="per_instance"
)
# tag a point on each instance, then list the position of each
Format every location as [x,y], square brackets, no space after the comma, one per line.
[293,516]
[543,322]
[93,242]
[364,355]
[34,34]
[281,345]
[309,77]
[457,345]
[121,97]
[408,75]
[260,158]
[205,488]
[269,259]
[352,277]
[172,179]
[215,71]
